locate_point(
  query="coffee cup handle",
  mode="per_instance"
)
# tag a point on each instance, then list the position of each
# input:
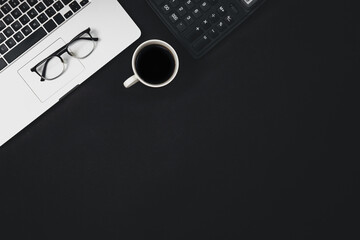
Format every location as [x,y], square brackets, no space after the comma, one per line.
[131,81]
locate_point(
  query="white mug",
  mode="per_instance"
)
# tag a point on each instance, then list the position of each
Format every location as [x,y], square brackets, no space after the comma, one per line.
[136,78]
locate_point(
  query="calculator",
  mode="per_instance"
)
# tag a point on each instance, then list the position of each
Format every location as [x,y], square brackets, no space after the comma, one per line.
[200,25]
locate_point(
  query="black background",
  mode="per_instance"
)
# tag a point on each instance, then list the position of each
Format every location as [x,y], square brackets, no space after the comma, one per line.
[254,141]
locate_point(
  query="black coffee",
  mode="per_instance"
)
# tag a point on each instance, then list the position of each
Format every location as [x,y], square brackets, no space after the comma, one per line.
[155,64]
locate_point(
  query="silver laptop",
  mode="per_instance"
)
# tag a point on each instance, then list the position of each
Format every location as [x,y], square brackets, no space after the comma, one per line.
[49,47]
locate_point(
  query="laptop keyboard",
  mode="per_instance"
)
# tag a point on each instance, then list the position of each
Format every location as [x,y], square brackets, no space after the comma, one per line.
[23,23]
[201,24]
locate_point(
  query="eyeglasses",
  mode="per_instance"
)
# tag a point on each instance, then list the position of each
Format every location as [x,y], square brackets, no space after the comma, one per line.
[54,66]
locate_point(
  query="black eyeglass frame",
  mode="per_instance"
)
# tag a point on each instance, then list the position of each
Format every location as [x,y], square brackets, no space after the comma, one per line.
[61,51]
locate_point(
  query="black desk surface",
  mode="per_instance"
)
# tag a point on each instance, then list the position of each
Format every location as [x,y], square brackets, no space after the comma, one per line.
[250,142]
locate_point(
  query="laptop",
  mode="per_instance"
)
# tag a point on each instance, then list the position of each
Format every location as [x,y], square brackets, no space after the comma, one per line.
[33,30]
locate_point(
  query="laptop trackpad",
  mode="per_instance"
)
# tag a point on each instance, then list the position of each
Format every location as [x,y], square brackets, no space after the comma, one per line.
[44,90]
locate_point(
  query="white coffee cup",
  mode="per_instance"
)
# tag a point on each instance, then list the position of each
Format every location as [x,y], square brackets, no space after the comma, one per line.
[136,78]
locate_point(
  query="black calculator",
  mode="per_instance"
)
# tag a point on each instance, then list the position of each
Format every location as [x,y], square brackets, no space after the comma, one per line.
[201,24]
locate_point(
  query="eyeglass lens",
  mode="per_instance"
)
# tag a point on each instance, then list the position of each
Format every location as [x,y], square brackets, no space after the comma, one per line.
[54,67]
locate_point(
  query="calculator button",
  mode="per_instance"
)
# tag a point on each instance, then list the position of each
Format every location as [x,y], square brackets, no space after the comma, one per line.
[205,24]
[194,34]
[221,26]
[166,8]
[197,13]
[221,11]
[181,11]
[181,26]
[249,3]
[189,20]
[205,6]
[189,4]
[174,3]
[229,20]
[173,17]
[202,43]
[233,8]
[214,17]
[213,32]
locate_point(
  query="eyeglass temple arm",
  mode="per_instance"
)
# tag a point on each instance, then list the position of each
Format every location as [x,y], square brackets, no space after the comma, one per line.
[44,70]
[34,70]
[88,38]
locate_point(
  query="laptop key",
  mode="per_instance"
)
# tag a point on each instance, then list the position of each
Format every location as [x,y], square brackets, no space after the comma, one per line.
[34,24]
[2,25]
[16,25]
[66,2]
[24,7]
[42,18]
[32,13]
[2,38]
[25,45]
[58,6]
[50,12]
[50,25]
[24,19]
[48,2]
[68,14]
[32,2]
[10,43]
[59,18]
[8,32]
[14,3]
[16,13]
[26,30]
[18,36]
[74,6]
[8,19]
[3,49]
[84,2]
[6,8]
[40,7]
[3,64]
